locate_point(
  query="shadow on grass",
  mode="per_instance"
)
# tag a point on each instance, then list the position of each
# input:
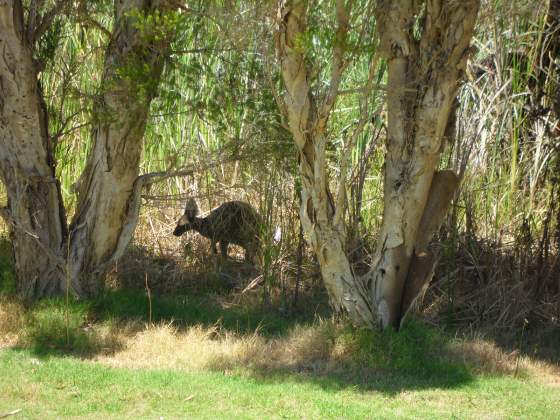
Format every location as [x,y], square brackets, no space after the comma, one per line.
[88,328]
[335,358]
[390,382]
[169,274]
[185,311]
[387,362]
[7,280]
[181,295]
[205,293]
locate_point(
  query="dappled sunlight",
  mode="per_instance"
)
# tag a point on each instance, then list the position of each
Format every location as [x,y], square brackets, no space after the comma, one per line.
[324,351]
[49,330]
[321,351]
[199,348]
[344,209]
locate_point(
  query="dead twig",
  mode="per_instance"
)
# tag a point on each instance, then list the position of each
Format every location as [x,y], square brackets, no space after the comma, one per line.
[11,413]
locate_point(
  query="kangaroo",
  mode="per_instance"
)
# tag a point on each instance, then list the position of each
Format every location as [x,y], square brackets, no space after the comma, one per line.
[233,222]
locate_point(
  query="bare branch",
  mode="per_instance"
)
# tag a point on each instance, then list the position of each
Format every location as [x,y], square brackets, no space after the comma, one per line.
[153,177]
[364,102]
[364,118]
[33,14]
[277,97]
[46,21]
[85,19]
[338,64]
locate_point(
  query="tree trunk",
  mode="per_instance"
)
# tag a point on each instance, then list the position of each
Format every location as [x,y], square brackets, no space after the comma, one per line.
[35,214]
[46,253]
[107,198]
[423,82]
[423,79]
[323,227]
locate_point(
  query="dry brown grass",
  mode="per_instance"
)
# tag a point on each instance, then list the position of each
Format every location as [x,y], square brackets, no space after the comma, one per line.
[176,265]
[493,287]
[11,321]
[485,357]
[198,348]
[318,349]
[315,349]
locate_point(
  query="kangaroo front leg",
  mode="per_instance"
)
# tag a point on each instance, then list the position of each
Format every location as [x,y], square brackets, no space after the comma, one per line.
[224,249]
[213,246]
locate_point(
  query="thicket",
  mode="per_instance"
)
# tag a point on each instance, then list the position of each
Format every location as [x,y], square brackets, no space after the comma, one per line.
[216,122]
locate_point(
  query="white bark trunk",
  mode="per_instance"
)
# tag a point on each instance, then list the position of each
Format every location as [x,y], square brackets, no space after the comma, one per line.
[324,229]
[423,80]
[34,215]
[46,256]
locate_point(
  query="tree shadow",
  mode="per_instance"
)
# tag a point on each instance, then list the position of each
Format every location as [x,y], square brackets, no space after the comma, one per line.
[7,280]
[285,349]
[89,328]
[207,294]
[389,382]
[170,272]
[417,357]
[274,350]
[414,359]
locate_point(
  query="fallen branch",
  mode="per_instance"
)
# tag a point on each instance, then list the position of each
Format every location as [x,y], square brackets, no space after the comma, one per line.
[11,413]
[254,283]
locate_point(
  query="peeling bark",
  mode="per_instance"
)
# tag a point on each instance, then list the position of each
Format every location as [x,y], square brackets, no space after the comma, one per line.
[324,229]
[106,200]
[423,80]
[35,215]
[46,254]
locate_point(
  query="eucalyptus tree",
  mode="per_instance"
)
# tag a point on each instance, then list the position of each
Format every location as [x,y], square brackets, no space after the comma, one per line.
[52,255]
[425,45]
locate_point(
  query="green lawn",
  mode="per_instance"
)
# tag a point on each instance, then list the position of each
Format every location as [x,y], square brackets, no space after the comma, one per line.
[248,361]
[49,387]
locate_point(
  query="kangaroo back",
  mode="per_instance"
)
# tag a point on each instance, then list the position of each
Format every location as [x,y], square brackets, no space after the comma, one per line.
[235,221]
[232,222]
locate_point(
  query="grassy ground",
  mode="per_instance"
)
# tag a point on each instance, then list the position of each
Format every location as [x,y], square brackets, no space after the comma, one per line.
[208,351]
[53,387]
[215,360]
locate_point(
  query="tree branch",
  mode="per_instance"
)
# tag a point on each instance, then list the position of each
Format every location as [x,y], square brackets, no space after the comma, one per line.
[338,64]
[364,118]
[38,29]
[33,14]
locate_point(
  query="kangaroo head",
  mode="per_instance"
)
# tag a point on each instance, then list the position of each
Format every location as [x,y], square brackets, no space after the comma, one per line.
[184,224]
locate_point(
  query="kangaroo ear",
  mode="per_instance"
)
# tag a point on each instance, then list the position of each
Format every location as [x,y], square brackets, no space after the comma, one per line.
[191,209]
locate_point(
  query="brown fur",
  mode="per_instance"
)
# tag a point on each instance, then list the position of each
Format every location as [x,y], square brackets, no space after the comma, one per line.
[233,222]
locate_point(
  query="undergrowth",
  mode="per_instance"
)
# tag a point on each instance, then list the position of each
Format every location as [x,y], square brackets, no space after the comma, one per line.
[247,337]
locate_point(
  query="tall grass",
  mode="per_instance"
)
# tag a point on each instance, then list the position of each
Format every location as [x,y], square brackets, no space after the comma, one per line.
[500,266]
